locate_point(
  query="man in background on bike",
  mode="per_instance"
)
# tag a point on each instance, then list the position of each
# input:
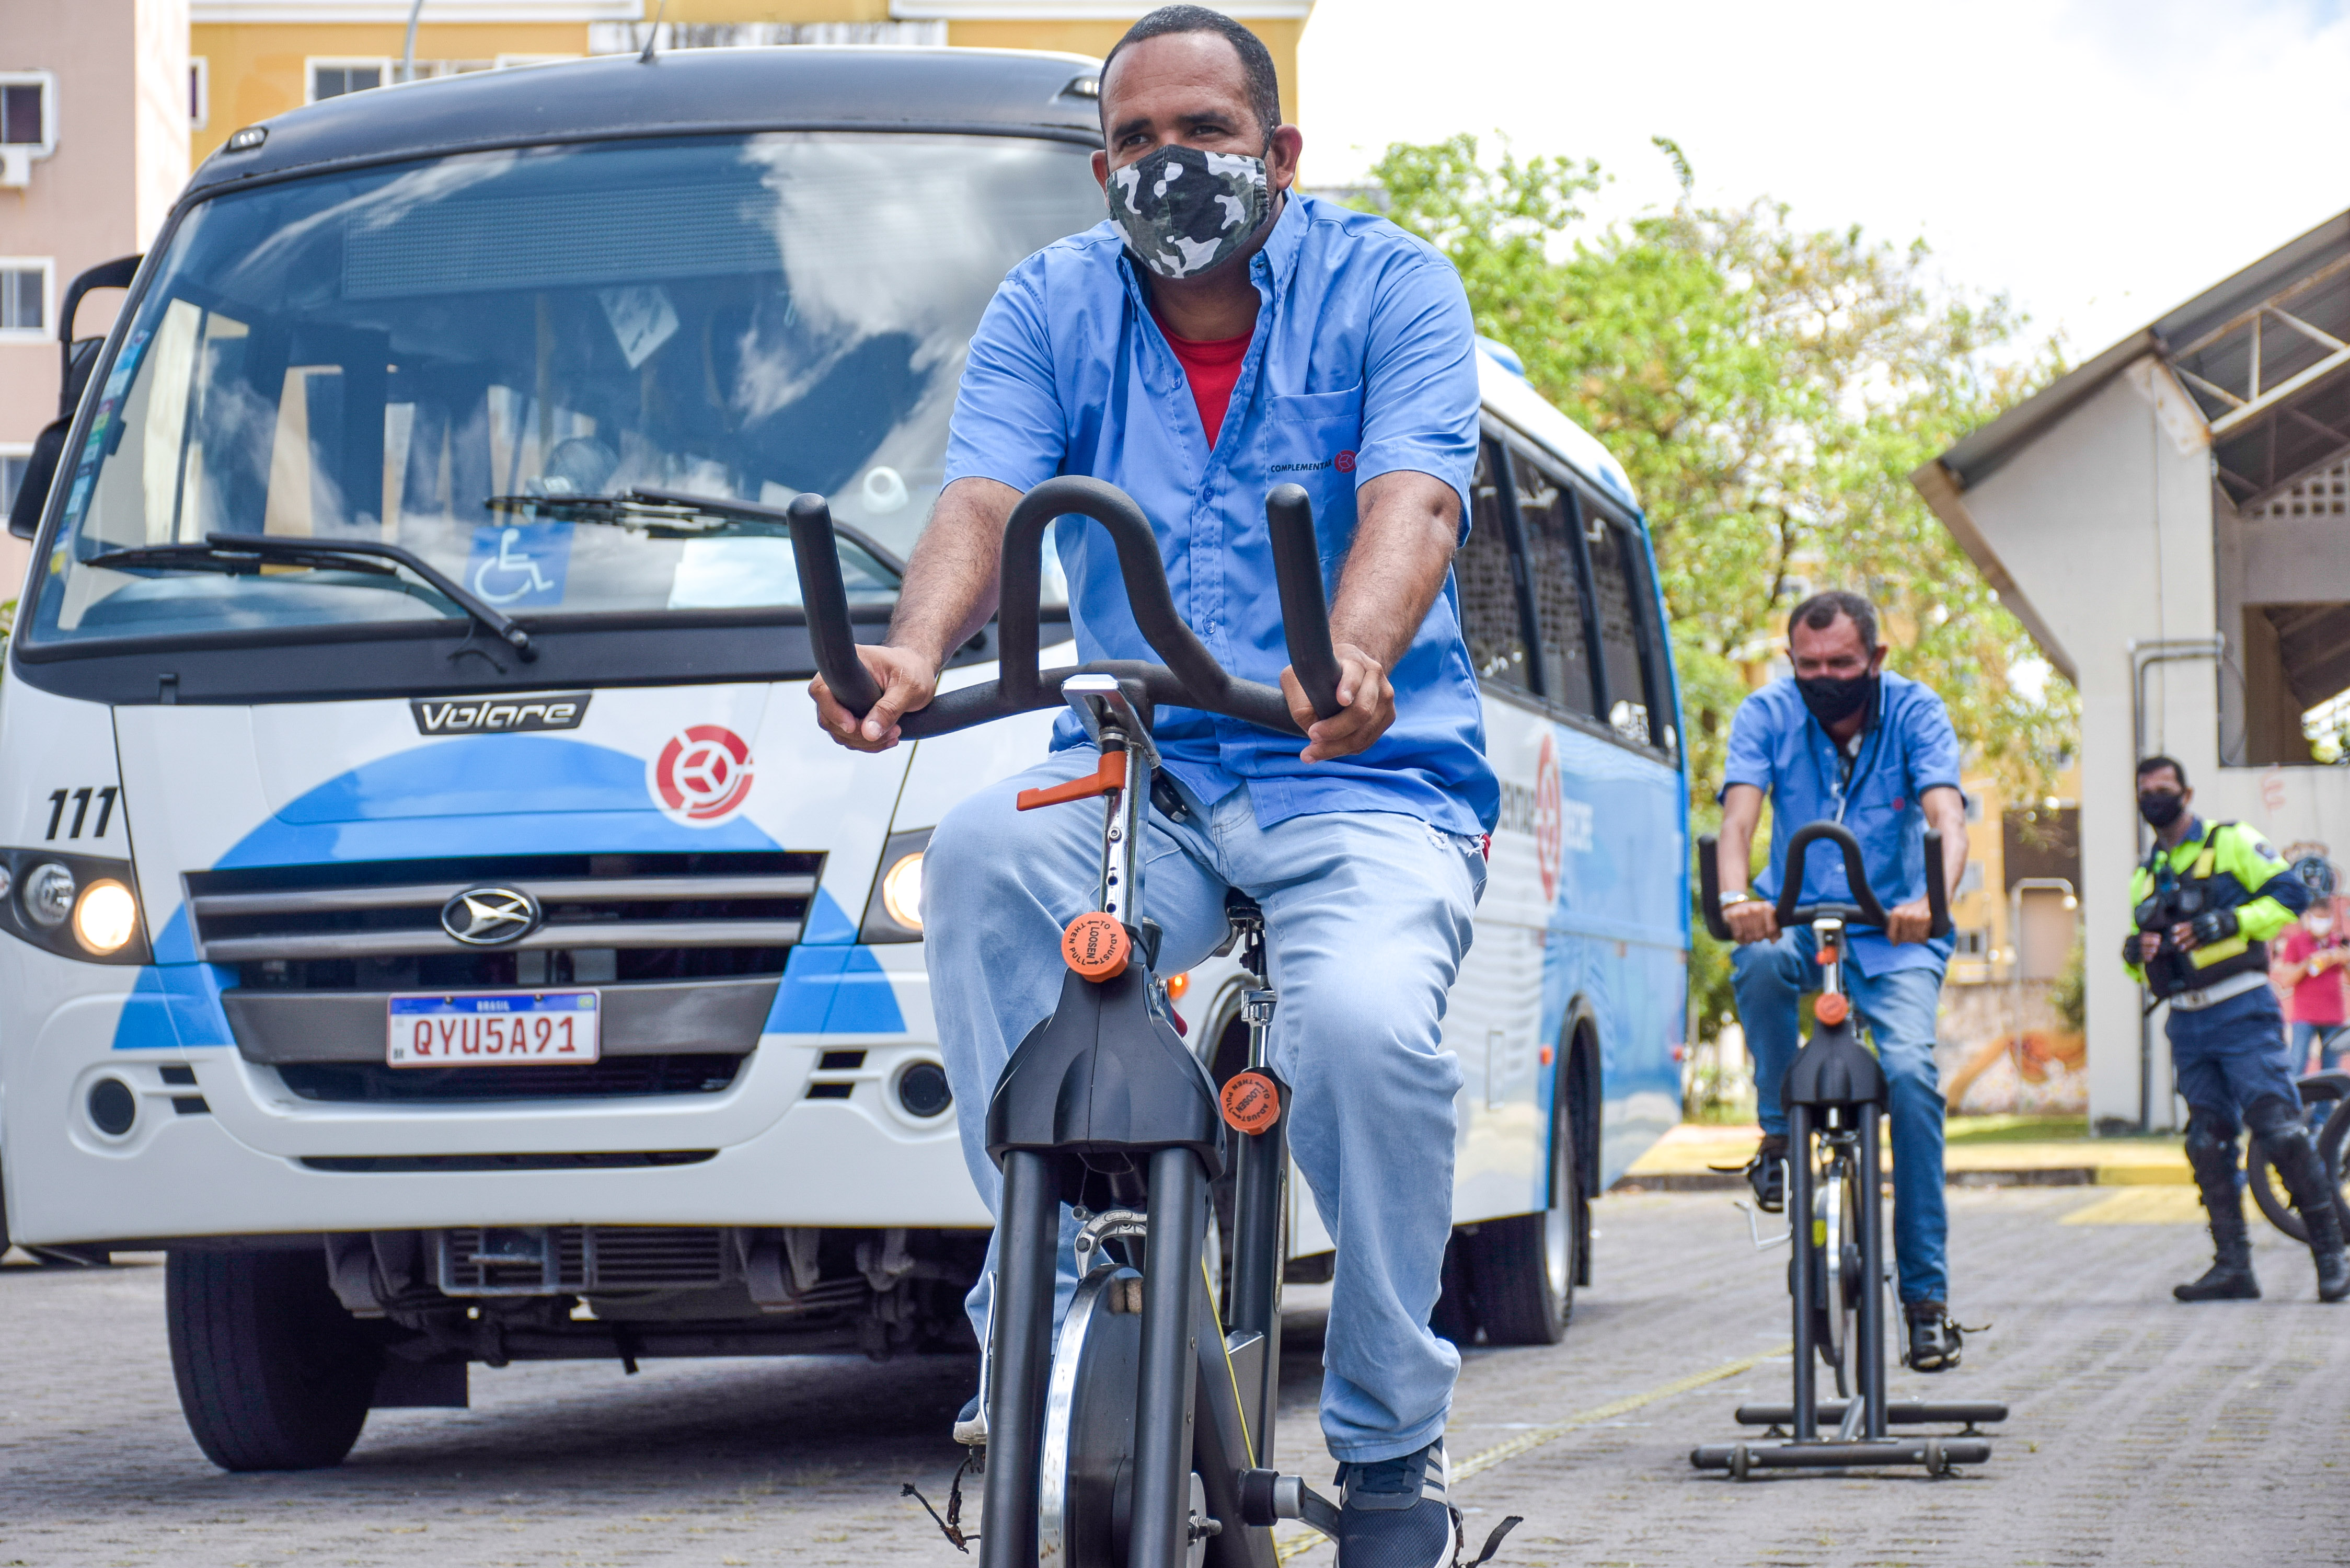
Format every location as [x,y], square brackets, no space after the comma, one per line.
[1218,336]
[1846,740]
[2204,907]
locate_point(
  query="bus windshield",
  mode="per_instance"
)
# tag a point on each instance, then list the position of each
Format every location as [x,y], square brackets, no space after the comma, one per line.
[454,356]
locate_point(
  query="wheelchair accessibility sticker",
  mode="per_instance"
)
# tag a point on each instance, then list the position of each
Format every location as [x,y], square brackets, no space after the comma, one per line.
[520,565]
[704,774]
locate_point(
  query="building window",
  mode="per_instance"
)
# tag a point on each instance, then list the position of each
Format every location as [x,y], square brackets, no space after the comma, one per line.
[28,112]
[13,460]
[1969,945]
[24,297]
[200,92]
[1970,879]
[333,78]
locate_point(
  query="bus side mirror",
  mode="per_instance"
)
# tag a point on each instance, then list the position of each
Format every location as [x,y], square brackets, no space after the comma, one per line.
[81,359]
[40,471]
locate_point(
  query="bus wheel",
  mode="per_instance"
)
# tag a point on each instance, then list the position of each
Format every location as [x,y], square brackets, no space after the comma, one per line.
[1455,1317]
[1523,1268]
[274,1374]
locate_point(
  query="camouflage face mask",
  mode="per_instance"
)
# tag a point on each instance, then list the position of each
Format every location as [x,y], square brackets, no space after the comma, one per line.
[1184,211]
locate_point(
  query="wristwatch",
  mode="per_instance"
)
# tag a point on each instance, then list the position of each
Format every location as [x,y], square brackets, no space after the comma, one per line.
[1740,895]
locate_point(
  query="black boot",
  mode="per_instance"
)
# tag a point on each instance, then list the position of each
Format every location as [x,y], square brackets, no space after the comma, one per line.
[2229,1277]
[2303,1173]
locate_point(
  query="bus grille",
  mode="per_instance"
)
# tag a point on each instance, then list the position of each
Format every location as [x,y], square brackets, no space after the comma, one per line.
[534,1259]
[608,918]
[691,1073]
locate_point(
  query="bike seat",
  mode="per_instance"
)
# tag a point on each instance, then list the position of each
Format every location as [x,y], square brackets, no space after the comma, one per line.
[2319,1086]
[1239,910]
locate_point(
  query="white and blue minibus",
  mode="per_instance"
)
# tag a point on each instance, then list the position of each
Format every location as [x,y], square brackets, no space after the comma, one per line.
[427,908]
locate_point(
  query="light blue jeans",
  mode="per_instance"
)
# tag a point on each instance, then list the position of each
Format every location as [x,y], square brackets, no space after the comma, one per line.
[1900,1009]
[1368,914]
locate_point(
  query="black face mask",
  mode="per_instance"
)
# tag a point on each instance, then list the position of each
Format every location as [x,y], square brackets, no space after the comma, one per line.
[1830,698]
[2160,807]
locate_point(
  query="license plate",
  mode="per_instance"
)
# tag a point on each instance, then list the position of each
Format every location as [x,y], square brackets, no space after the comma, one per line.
[491,1029]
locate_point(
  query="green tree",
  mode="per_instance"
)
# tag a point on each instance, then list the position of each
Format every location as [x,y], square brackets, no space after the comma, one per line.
[1769,388]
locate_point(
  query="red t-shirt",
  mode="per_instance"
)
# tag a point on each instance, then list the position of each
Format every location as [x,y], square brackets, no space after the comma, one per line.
[2321,998]
[1211,368]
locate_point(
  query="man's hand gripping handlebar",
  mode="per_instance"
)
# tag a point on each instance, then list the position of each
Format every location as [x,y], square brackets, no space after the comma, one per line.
[1191,676]
[1863,909]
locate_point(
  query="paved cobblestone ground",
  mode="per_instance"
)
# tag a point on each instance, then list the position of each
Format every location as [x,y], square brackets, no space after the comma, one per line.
[2144,1433]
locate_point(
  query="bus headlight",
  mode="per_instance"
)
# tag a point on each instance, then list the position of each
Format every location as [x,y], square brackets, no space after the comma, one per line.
[901,891]
[49,895]
[105,918]
[894,912]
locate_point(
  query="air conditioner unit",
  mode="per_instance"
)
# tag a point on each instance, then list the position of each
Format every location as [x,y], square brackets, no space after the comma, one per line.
[16,166]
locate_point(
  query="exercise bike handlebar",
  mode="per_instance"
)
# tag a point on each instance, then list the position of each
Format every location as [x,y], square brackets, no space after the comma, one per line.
[1863,908]
[1190,678]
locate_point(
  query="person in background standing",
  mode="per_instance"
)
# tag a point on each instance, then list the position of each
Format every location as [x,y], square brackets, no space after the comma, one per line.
[2313,971]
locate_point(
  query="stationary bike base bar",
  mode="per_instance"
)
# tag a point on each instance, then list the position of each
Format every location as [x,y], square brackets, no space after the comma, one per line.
[1933,1452]
[1900,1413]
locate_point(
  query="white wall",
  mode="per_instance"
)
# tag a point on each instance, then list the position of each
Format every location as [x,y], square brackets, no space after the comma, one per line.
[2105,522]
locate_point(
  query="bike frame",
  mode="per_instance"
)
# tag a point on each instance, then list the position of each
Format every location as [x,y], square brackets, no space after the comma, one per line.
[1102,1105]
[1836,1093]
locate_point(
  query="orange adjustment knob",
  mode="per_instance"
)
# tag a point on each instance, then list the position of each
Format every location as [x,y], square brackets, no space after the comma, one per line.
[1097,946]
[1252,1104]
[1833,1008]
[1106,779]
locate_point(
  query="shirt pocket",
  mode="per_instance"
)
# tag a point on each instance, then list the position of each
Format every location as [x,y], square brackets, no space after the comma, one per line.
[1310,439]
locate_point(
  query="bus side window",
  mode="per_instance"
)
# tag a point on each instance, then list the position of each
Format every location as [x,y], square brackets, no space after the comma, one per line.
[1548,510]
[1620,580]
[1490,618]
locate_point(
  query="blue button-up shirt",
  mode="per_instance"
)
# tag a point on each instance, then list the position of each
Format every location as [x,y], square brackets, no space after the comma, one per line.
[1907,748]
[1363,362]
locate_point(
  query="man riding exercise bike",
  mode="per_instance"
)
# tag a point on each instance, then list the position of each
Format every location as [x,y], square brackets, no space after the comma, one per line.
[1220,336]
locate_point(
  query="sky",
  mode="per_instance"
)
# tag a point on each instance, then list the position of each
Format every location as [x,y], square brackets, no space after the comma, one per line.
[2098,160]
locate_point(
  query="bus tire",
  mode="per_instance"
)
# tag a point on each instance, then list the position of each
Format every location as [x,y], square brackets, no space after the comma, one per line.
[1455,1317]
[1522,1269]
[274,1374]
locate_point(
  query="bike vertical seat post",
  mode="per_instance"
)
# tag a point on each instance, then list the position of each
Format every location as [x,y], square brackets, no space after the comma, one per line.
[1871,1368]
[1167,1373]
[1803,1267]
[1262,1166]
[1030,1218]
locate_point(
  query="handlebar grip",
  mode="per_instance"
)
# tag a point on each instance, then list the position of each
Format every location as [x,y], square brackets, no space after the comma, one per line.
[1304,611]
[1938,894]
[1709,883]
[826,601]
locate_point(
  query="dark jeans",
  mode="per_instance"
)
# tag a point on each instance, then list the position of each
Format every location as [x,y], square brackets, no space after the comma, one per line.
[2226,1057]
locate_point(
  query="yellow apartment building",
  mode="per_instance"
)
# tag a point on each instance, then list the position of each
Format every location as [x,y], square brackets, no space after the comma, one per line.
[251,59]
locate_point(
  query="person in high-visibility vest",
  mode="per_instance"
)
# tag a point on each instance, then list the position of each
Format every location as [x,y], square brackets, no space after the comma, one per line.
[2204,905]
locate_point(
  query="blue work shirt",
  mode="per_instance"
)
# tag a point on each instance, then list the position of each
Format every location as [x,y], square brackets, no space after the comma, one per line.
[1907,748]
[1362,363]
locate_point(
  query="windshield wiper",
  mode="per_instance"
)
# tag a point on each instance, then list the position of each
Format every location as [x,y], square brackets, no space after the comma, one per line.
[242,555]
[678,514]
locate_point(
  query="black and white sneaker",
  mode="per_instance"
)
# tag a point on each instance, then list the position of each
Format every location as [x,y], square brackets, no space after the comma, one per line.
[971,1425]
[1394,1513]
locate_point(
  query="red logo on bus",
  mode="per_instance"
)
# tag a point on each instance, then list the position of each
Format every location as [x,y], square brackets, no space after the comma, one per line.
[1550,820]
[703,773]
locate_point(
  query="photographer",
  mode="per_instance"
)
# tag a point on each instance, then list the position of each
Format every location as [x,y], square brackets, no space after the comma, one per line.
[2204,905]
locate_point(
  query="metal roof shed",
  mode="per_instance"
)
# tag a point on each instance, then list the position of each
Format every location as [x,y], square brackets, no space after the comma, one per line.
[2171,522]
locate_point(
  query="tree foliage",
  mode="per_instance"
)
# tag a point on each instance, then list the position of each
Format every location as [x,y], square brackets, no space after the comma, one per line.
[1770,389]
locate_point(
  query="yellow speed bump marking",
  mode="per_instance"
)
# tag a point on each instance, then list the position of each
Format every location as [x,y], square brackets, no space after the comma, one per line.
[1527,1442]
